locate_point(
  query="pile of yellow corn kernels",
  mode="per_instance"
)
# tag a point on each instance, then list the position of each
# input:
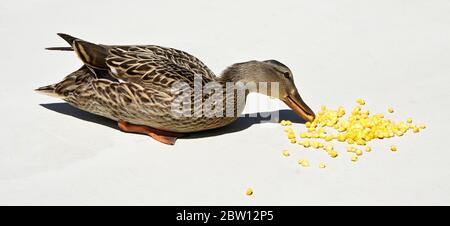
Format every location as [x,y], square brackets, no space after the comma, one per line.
[357,130]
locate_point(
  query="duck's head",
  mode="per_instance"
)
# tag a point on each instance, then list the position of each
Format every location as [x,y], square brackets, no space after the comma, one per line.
[272,71]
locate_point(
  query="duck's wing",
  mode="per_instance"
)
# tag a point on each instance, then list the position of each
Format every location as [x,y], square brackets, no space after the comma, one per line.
[145,65]
[155,65]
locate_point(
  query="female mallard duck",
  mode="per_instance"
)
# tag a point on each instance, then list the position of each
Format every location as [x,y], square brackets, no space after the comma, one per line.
[134,86]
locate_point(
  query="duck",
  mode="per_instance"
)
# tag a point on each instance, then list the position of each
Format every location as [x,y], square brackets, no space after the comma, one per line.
[134,86]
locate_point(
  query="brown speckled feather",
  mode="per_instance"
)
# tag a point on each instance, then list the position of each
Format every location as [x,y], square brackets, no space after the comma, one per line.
[134,84]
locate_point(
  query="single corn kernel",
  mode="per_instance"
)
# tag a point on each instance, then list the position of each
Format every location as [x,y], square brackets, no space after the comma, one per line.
[361,142]
[306,144]
[315,144]
[358,152]
[333,153]
[291,135]
[322,166]
[416,130]
[356,110]
[422,126]
[286,153]
[360,101]
[393,148]
[329,147]
[368,149]
[303,162]
[303,135]
[350,141]
[249,192]
[391,110]
[293,141]
[409,120]
[354,158]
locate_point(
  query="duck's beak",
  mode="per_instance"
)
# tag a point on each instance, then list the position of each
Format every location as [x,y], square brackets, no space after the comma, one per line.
[295,102]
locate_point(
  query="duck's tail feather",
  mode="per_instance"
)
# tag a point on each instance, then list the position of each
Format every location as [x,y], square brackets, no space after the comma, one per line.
[81,77]
[69,39]
[60,48]
[91,54]
[49,90]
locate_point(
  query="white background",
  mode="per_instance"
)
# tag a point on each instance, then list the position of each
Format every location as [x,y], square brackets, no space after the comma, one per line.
[391,53]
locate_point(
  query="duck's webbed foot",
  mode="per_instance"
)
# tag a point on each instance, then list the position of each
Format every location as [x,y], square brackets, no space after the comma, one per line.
[159,135]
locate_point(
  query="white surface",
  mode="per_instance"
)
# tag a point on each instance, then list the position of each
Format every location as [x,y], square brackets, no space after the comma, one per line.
[391,53]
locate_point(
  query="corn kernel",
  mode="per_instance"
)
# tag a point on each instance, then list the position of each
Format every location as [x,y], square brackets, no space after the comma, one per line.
[286,153]
[356,110]
[249,192]
[393,148]
[306,143]
[361,142]
[422,126]
[391,110]
[416,130]
[303,162]
[293,141]
[333,154]
[329,147]
[354,158]
[360,101]
[368,149]
[291,135]
[285,123]
[409,120]
[322,166]
[350,141]
[358,152]
[315,144]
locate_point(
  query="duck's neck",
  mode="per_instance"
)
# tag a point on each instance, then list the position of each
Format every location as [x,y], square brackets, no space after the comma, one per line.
[240,72]
[238,81]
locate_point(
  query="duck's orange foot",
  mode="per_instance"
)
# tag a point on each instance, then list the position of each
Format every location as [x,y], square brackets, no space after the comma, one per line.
[159,135]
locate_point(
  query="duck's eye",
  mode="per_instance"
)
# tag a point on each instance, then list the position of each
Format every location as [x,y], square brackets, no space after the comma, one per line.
[287,75]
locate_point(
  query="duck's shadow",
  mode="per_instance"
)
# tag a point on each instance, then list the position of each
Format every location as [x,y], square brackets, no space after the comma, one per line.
[242,123]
